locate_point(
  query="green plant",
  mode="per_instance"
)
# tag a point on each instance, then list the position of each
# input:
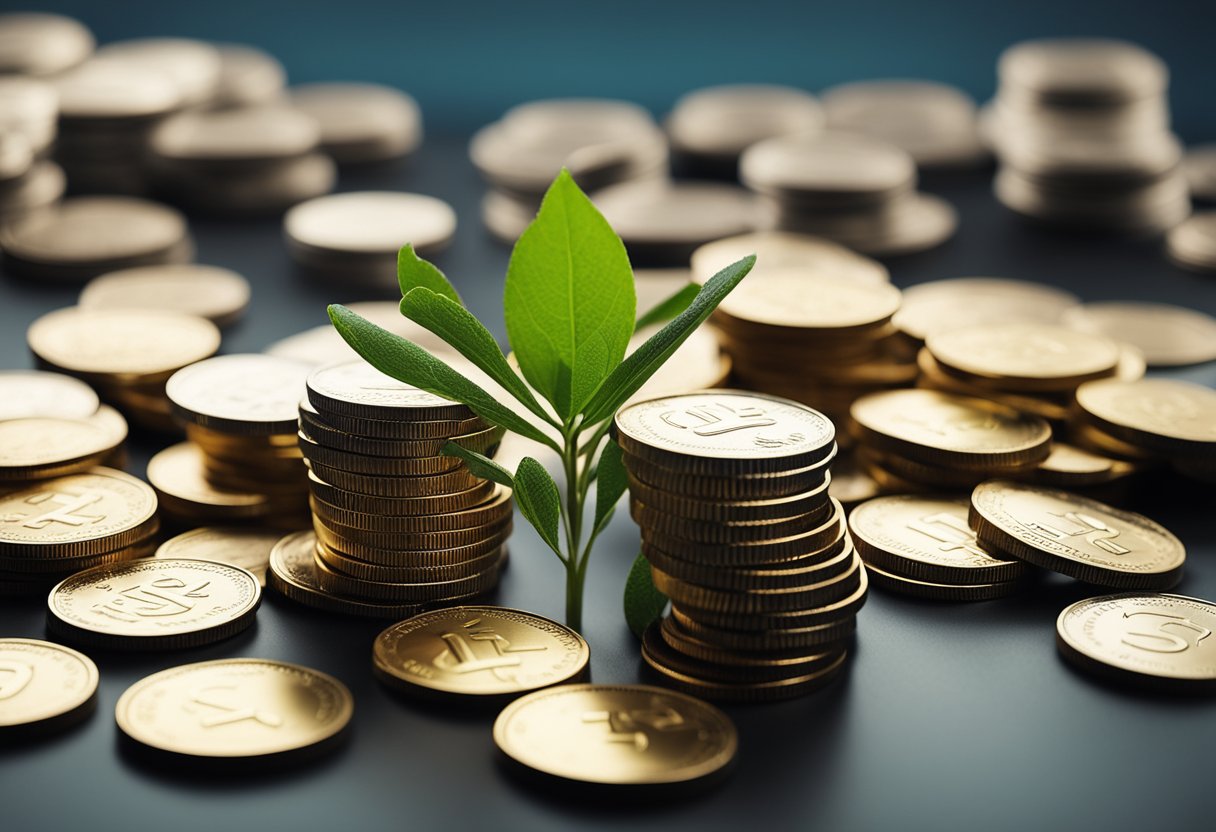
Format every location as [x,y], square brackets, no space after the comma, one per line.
[570,311]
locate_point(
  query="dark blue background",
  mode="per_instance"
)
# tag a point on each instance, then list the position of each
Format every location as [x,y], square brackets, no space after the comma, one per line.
[467,61]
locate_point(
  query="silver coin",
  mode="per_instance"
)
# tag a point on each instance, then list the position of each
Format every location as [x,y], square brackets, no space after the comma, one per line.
[268,190]
[785,250]
[30,107]
[248,76]
[240,137]
[112,90]
[1083,70]
[369,224]
[218,294]
[192,65]
[41,187]
[33,43]
[16,158]
[362,122]
[1199,167]
[1192,244]
[941,305]
[726,120]
[506,217]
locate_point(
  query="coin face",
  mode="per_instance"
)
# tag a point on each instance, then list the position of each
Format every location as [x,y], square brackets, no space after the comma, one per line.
[1143,637]
[371,222]
[1076,536]
[155,603]
[1043,355]
[45,446]
[725,120]
[41,681]
[177,473]
[479,652]
[31,393]
[87,230]
[1165,413]
[616,734]
[235,708]
[811,256]
[246,548]
[790,297]
[247,394]
[942,305]
[357,388]
[217,294]
[728,426]
[1167,335]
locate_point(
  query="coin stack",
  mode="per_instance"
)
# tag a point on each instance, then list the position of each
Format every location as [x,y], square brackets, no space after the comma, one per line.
[42,447]
[28,182]
[362,123]
[855,190]
[602,143]
[257,160]
[242,461]
[730,491]
[396,522]
[54,528]
[1081,128]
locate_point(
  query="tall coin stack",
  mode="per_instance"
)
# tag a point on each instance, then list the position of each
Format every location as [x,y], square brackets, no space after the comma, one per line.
[1081,128]
[241,460]
[730,490]
[396,522]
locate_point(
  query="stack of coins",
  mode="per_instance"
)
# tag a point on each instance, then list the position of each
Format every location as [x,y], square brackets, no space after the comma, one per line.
[601,142]
[730,491]
[28,182]
[925,440]
[923,547]
[1081,128]
[784,250]
[242,460]
[396,521]
[126,355]
[820,340]
[354,238]
[855,190]
[54,528]
[1192,243]
[710,128]
[257,160]
[362,123]
[217,294]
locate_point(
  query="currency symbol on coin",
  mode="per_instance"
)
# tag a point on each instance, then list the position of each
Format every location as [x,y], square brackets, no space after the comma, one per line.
[64,508]
[461,654]
[224,713]
[1164,641]
[14,676]
[159,599]
[636,727]
[951,531]
[717,418]
[1089,528]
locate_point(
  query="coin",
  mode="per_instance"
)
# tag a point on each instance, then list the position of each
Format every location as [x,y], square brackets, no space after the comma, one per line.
[246,548]
[1075,536]
[399,506]
[616,734]
[317,430]
[433,485]
[361,123]
[236,139]
[37,448]
[733,511]
[1162,641]
[358,389]
[818,636]
[248,76]
[250,395]
[36,43]
[32,393]
[759,486]
[942,305]
[721,122]
[192,65]
[935,591]
[943,429]
[130,344]
[370,225]
[1167,335]
[811,256]
[217,294]
[488,513]
[1192,243]
[44,685]
[1161,415]
[791,298]
[1068,466]
[835,558]
[826,592]
[722,530]
[178,476]
[235,708]
[1025,356]
[478,653]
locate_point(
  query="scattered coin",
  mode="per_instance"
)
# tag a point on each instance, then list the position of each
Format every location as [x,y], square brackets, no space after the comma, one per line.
[29,109]
[33,43]
[220,295]
[26,394]
[1192,243]
[248,76]
[356,388]
[361,122]
[941,305]
[785,251]
[1161,416]
[41,447]
[246,548]
[44,686]
[1167,335]
[193,66]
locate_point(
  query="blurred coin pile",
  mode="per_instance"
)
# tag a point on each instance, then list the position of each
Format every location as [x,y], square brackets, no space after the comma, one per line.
[28,123]
[1192,243]
[1081,128]
[241,461]
[730,491]
[398,526]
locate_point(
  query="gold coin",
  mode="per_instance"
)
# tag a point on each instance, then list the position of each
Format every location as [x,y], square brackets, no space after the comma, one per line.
[680,640]
[1168,336]
[943,429]
[942,305]
[128,344]
[1161,415]
[321,432]
[1153,639]
[344,537]
[933,591]
[217,294]
[1068,466]
[827,592]
[358,389]
[926,538]
[44,685]
[850,484]
[411,558]
[422,592]
[732,511]
[836,559]
[248,395]
[26,394]
[758,486]
[832,634]
[1075,536]
[62,567]
[40,447]
[154,604]
[412,572]
[478,653]
[936,477]
[401,429]
[179,478]
[432,485]
[792,299]
[616,734]
[376,465]
[246,548]
[1025,356]
[235,708]
[724,531]
[729,667]
[78,515]
[725,432]
[1054,408]
[399,506]
[489,513]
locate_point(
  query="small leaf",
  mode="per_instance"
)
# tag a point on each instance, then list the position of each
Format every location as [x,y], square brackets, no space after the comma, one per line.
[405,361]
[537,497]
[569,301]
[669,308]
[480,465]
[644,604]
[610,484]
[632,373]
[413,271]
[458,326]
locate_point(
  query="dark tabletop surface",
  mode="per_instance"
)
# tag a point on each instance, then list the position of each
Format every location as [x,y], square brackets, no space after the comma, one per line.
[951,716]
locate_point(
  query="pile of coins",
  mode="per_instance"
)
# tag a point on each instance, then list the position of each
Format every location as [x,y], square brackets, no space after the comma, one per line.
[126,355]
[28,182]
[361,123]
[601,142]
[242,461]
[54,528]
[398,526]
[730,491]
[855,190]
[1081,128]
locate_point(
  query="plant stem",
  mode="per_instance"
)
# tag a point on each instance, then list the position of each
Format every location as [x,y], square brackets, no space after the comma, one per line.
[575,497]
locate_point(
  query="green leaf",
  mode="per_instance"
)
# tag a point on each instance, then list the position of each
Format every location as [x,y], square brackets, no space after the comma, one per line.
[413,271]
[480,465]
[458,326]
[632,373]
[669,308]
[610,484]
[405,361]
[569,302]
[537,497]
[644,604]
